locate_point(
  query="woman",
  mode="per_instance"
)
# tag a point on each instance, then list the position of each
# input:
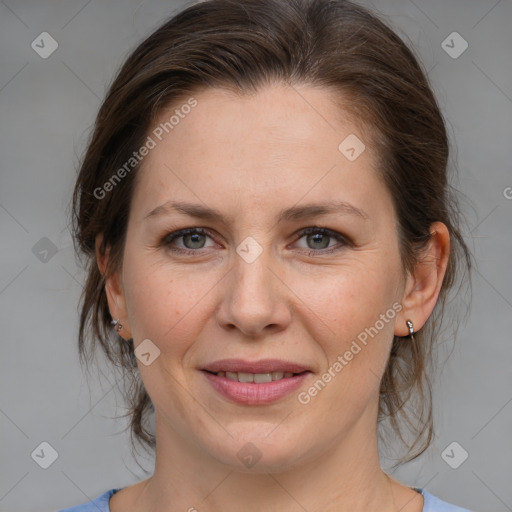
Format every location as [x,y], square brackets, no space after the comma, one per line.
[237,138]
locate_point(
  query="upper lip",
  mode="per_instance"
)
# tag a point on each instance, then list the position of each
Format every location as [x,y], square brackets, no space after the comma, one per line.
[263,366]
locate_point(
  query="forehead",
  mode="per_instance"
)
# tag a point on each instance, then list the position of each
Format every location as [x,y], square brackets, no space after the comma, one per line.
[276,146]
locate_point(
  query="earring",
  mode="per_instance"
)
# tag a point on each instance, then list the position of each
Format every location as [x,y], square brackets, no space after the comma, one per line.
[117,325]
[410,326]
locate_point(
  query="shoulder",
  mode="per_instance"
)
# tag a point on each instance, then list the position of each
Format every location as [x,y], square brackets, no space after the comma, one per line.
[434,504]
[99,504]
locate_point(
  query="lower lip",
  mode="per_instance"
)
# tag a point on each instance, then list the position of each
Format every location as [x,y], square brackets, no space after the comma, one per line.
[250,393]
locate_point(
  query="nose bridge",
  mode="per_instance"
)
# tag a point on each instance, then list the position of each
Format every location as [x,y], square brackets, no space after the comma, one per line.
[254,297]
[252,278]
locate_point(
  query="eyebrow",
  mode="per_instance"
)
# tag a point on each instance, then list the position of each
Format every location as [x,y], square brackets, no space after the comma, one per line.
[290,214]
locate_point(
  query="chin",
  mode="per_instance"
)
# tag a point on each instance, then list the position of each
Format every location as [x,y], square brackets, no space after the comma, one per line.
[261,454]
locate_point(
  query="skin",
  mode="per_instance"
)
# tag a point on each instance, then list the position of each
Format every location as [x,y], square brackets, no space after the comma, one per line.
[249,157]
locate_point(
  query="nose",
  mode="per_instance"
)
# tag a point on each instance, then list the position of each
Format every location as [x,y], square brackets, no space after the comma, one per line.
[255,298]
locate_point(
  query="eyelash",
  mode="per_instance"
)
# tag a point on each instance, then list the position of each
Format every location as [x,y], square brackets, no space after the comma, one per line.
[171,237]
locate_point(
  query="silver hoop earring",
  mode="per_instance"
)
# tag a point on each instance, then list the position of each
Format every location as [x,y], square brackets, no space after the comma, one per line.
[410,327]
[117,325]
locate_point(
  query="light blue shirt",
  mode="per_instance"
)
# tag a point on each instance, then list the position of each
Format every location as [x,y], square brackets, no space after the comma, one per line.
[100,504]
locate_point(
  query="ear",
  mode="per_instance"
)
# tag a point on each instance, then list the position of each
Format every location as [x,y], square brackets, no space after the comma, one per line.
[424,284]
[113,290]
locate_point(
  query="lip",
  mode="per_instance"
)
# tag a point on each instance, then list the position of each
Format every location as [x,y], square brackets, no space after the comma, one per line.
[263,366]
[251,393]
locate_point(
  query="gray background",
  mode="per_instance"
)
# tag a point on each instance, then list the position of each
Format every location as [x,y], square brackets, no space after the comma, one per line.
[48,106]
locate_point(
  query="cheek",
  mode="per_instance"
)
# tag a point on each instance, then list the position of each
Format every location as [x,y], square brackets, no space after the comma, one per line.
[163,303]
[357,344]
[353,299]
[359,307]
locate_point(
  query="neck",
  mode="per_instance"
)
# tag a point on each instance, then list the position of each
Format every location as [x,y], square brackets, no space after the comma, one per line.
[346,477]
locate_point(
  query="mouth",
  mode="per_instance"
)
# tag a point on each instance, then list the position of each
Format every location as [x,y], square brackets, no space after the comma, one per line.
[261,367]
[257,378]
[255,383]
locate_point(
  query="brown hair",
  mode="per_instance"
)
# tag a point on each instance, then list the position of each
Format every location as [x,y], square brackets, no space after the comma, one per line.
[242,45]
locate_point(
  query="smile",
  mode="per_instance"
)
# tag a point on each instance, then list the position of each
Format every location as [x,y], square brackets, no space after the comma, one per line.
[258,378]
[255,389]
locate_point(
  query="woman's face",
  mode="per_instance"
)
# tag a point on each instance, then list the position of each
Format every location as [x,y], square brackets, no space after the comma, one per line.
[251,286]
